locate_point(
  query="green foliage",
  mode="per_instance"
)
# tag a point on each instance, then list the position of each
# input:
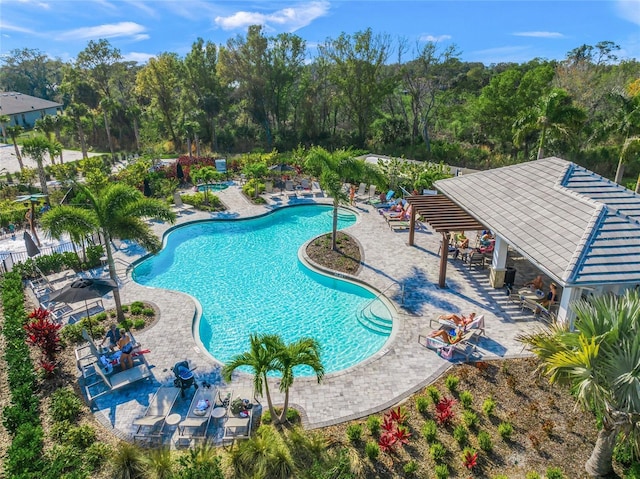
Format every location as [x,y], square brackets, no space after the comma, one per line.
[451,382]
[434,394]
[373,423]
[101,316]
[554,473]
[64,460]
[430,430]
[422,404]
[96,455]
[24,455]
[410,468]
[266,418]
[461,435]
[438,451]
[505,430]
[484,441]
[354,433]
[139,323]
[623,451]
[81,436]
[137,308]
[441,471]
[532,475]
[127,462]
[470,419]
[466,399]
[500,476]
[489,406]
[148,312]
[253,187]
[65,405]
[372,450]
[633,472]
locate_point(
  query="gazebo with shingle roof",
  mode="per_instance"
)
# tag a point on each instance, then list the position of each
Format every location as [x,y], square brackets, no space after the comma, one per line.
[579,228]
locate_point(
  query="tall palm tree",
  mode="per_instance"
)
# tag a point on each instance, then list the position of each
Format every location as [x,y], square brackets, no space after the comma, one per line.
[333,169]
[116,211]
[36,147]
[600,361]
[4,122]
[553,115]
[303,352]
[260,358]
[14,132]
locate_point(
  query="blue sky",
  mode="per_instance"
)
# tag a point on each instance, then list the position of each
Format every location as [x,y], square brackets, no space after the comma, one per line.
[485,31]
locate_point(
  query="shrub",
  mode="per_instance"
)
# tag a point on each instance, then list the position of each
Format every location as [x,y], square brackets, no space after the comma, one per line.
[65,405]
[430,431]
[137,305]
[437,451]
[42,332]
[451,382]
[505,430]
[444,410]
[62,459]
[469,458]
[136,309]
[265,417]
[354,433]
[125,308]
[434,394]
[470,419]
[101,316]
[96,455]
[373,423]
[25,452]
[293,415]
[422,404]
[441,471]
[554,473]
[623,452]
[466,399]
[410,468]
[461,435]
[489,406]
[633,472]
[81,436]
[139,323]
[148,312]
[532,475]
[484,441]
[72,333]
[372,450]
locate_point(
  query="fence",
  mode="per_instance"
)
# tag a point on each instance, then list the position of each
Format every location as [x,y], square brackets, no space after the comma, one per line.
[9,258]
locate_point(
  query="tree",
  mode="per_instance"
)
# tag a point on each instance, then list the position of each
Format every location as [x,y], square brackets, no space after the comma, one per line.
[599,360]
[4,122]
[334,169]
[116,211]
[552,116]
[14,132]
[32,72]
[206,174]
[36,147]
[261,358]
[303,352]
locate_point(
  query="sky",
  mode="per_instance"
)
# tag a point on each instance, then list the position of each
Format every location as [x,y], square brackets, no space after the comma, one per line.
[483,31]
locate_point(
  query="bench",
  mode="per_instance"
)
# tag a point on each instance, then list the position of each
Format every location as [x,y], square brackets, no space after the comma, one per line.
[117,380]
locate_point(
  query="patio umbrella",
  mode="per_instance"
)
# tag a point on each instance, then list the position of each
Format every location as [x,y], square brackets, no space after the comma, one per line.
[84,289]
[33,199]
[179,172]
[32,248]
[146,189]
[279,168]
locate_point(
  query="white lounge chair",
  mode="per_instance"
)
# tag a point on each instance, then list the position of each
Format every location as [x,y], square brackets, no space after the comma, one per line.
[179,206]
[159,408]
[361,189]
[315,189]
[239,426]
[197,417]
[290,190]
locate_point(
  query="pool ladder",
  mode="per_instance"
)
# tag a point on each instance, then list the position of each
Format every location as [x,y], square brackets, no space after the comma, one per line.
[373,321]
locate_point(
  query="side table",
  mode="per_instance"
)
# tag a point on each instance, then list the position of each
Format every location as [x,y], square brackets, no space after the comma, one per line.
[172,419]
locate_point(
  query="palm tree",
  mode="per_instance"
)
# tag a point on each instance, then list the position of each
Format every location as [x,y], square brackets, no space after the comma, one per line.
[4,122]
[14,132]
[116,211]
[600,361]
[260,358]
[303,352]
[630,144]
[552,115]
[36,148]
[334,169]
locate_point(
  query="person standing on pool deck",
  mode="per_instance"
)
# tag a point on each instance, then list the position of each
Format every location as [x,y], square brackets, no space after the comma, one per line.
[352,194]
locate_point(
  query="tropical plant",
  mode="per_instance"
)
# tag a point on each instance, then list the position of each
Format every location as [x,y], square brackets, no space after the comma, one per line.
[127,462]
[14,132]
[598,360]
[201,462]
[36,147]
[265,455]
[116,211]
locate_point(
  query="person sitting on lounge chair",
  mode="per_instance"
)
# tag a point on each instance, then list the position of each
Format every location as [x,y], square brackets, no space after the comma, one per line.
[113,336]
[126,348]
[458,320]
[445,335]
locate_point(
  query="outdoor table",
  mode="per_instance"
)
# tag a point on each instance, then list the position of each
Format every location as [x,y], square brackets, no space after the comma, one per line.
[172,419]
[531,294]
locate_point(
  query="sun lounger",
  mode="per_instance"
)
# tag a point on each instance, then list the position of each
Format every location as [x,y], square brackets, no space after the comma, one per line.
[378,203]
[197,417]
[178,205]
[154,417]
[289,189]
[371,194]
[115,381]
[446,350]
[238,426]
[315,189]
[476,326]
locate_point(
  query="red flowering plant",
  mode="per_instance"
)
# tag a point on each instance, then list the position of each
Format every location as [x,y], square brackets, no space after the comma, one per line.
[42,332]
[469,458]
[394,428]
[444,410]
[402,434]
[387,441]
[398,415]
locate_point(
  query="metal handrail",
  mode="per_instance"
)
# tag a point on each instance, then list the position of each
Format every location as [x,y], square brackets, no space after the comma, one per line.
[370,303]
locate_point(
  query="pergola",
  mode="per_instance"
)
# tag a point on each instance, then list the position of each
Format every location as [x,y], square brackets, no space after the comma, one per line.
[444,216]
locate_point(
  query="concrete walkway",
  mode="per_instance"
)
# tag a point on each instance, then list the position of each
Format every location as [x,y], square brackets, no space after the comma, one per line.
[406,276]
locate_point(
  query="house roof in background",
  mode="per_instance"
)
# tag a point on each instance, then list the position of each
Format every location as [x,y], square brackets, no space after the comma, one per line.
[13,103]
[578,227]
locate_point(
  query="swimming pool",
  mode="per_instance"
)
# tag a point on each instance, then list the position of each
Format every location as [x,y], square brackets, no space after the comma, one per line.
[213,187]
[248,279]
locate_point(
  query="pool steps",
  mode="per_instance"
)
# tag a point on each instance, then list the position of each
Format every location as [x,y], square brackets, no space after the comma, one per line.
[370,320]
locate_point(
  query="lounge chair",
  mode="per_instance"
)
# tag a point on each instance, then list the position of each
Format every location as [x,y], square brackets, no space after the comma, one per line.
[370,195]
[197,417]
[361,189]
[239,426]
[289,189]
[445,349]
[115,381]
[316,190]
[404,215]
[178,205]
[159,408]
[379,204]
[306,188]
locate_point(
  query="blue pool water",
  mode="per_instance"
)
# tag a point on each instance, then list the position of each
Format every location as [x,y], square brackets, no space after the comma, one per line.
[213,187]
[247,277]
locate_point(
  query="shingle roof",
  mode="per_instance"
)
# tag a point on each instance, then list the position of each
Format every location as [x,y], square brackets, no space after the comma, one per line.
[12,103]
[579,227]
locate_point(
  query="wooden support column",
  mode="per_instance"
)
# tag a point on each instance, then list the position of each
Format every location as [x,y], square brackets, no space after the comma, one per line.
[412,226]
[444,256]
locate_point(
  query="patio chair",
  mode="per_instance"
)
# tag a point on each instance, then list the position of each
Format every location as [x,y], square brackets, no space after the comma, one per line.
[106,384]
[371,194]
[197,417]
[238,426]
[475,258]
[362,187]
[179,206]
[154,417]
[316,190]
[445,349]
[290,190]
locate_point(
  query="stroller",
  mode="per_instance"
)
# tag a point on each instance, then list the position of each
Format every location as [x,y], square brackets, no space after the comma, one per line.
[184,376]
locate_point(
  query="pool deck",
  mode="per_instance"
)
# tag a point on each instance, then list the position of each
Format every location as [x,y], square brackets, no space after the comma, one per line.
[406,275]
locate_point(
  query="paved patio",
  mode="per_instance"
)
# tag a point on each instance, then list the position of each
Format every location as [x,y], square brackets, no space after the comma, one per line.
[407,276]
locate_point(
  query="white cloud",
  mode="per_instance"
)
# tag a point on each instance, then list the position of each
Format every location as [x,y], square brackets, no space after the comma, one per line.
[12,28]
[138,57]
[289,19]
[115,30]
[434,38]
[539,34]
[143,7]
[43,5]
[629,10]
